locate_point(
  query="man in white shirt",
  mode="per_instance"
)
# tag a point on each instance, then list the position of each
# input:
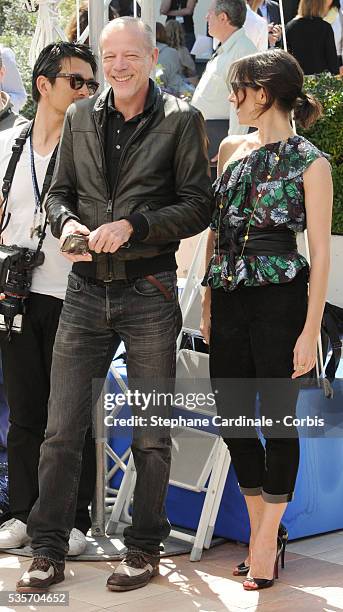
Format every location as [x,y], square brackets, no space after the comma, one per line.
[256,28]
[62,74]
[8,118]
[12,82]
[335,18]
[225,23]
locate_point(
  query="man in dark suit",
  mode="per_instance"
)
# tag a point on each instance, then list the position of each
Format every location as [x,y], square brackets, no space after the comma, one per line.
[270,10]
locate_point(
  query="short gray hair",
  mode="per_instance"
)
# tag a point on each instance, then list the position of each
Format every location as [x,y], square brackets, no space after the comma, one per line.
[236,10]
[130,21]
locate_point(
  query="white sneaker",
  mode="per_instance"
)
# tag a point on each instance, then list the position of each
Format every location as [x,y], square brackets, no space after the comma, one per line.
[77,543]
[13,534]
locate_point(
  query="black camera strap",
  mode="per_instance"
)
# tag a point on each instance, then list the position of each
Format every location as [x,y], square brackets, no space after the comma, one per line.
[45,189]
[36,191]
[17,150]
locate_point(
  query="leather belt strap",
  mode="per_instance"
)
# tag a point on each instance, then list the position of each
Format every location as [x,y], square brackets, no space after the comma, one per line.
[160,286]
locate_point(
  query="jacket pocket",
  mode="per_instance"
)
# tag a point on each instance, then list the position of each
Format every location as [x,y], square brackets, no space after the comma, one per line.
[88,211]
[144,204]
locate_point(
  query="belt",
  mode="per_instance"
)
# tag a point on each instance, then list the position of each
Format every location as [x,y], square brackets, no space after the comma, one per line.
[160,286]
[127,283]
[275,241]
[96,282]
[269,242]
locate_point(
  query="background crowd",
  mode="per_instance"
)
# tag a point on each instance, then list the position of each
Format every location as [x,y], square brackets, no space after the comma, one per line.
[314,34]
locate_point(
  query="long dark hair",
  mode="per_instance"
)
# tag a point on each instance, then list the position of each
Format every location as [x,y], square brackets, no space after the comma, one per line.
[282,79]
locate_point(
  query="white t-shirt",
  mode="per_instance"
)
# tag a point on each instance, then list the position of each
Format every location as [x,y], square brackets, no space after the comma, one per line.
[51,277]
[256,28]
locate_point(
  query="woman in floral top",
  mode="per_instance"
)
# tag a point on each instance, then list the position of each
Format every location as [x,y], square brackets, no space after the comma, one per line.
[258,317]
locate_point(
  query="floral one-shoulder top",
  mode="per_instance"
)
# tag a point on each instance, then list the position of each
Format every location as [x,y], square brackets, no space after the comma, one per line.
[275,170]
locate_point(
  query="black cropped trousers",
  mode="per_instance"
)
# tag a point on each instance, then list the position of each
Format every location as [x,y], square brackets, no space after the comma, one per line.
[253,334]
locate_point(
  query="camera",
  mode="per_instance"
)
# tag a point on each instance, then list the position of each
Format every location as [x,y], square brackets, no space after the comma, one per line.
[75,244]
[16,267]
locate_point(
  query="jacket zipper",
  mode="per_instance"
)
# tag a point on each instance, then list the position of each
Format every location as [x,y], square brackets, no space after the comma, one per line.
[102,159]
[109,203]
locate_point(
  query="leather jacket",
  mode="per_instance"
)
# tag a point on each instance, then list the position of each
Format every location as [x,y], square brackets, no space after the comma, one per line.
[163,176]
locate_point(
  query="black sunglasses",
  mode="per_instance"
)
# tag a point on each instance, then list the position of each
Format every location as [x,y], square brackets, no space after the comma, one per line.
[77,81]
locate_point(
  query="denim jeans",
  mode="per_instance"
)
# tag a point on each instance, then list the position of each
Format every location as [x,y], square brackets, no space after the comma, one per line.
[93,321]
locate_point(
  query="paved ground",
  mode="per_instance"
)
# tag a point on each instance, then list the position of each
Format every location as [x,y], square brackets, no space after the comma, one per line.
[311,581]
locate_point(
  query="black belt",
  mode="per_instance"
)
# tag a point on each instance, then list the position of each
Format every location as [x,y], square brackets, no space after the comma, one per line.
[269,242]
[127,283]
[96,282]
[273,241]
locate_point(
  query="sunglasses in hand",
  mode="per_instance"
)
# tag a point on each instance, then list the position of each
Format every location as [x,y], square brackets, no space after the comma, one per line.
[77,81]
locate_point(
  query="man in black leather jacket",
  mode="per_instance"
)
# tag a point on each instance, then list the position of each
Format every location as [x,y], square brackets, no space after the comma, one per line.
[132,177]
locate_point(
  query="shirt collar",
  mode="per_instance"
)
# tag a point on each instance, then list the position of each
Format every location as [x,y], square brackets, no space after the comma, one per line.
[229,43]
[149,101]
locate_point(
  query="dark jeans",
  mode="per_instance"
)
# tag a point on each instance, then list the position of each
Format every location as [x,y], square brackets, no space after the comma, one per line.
[93,321]
[26,362]
[253,334]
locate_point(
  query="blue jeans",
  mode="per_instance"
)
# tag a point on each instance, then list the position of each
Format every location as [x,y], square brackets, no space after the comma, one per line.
[93,321]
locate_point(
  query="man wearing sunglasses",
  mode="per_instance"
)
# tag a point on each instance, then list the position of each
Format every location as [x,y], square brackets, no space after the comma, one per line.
[63,73]
[132,179]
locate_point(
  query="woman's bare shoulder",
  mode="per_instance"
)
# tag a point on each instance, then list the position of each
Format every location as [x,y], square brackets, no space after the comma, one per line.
[233,147]
[231,143]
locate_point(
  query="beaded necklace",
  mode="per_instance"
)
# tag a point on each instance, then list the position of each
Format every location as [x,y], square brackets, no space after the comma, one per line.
[260,195]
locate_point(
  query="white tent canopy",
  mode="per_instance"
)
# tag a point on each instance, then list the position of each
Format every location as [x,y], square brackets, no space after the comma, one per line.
[47,30]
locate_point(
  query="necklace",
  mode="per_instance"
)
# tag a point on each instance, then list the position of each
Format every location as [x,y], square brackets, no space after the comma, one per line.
[258,199]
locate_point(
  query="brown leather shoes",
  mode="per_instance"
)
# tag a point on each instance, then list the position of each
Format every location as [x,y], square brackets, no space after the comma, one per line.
[134,571]
[41,574]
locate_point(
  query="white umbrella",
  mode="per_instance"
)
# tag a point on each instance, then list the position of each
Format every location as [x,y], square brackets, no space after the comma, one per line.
[47,29]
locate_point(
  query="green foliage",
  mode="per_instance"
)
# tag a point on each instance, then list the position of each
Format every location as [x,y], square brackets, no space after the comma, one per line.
[67,9]
[327,134]
[18,29]
[3,5]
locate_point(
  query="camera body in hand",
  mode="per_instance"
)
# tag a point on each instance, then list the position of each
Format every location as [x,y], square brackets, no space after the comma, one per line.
[75,244]
[16,268]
